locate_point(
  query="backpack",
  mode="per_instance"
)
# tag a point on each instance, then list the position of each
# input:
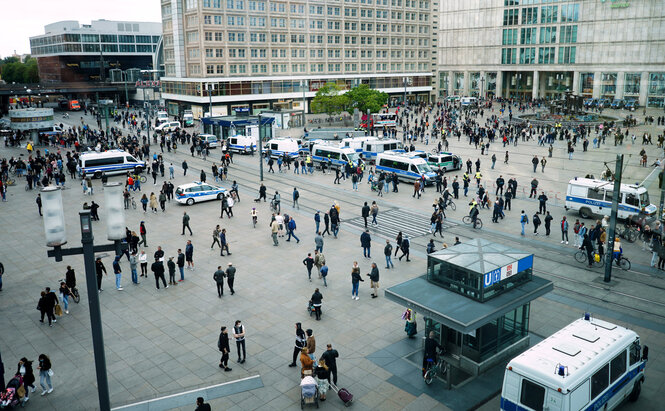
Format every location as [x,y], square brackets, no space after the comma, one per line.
[296,195]
[524,219]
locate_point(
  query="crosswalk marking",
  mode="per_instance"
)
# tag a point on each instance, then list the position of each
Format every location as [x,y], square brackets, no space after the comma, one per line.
[392,221]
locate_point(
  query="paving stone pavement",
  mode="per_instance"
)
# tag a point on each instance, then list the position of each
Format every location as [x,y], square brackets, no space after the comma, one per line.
[162,342]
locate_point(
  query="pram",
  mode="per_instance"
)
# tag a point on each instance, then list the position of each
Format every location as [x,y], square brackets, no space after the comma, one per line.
[374,185]
[310,308]
[10,397]
[309,392]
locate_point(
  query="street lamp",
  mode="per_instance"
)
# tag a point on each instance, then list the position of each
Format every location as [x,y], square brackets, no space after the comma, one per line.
[482,87]
[261,133]
[56,237]
[210,87]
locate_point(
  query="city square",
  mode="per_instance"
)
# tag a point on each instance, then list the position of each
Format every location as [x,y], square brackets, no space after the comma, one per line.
[185,82]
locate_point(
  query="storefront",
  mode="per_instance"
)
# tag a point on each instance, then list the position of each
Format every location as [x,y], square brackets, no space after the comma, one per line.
[476,298]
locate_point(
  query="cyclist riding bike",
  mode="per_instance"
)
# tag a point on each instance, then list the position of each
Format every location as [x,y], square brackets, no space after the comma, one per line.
[617,251]
[430,353]
[474,214]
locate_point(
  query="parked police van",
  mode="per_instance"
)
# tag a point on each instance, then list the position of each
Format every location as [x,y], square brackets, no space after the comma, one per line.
[591,197]
[408,168]
[447,161]
[108,162]
[242,144]
[210,139]
[280,147]
[588,365]
[357,143]
[337,157]
[373,148]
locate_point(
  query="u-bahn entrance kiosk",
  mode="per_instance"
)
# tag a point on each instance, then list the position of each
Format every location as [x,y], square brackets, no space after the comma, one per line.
[476,298]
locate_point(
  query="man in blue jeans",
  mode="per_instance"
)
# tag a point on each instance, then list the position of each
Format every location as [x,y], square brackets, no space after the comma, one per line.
[388,250]
[292,228]
[366,243]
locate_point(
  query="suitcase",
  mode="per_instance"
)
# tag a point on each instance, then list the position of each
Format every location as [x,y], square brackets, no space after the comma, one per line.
[343,394]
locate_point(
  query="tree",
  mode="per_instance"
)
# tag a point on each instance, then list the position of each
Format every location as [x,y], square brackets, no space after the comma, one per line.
[329,100]
[364,98]
[13,71]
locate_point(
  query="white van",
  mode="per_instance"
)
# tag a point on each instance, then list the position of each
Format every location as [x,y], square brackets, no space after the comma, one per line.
[210,139]
[373,148]
[188,118]
[242,144]
[407,168]
[168,126]
[95,164]
[280,147]
[591,197]
[337,157]
[162,117]
[469,102]
[588,365]
[357,143]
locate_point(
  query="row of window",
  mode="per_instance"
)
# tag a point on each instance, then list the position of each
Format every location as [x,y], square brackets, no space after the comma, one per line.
[301,68]
[319,24]
[547,35]
[295,8]
[302,53]
[93,38]
[548,14]
[93,48]
[546,55]
[240,37]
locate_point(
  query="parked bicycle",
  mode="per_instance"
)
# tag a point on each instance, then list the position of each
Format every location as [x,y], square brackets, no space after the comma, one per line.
[467,220]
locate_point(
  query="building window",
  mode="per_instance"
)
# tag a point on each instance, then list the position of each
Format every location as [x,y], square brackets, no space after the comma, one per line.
[192,37]
[210,69]
[530,15]
[568,34]
[546,55]
[509,37]
[632,83]
[567,55]
[547,35]
[219,36]
[528,55]
[510,17]
[219,53]
[528,35]
[191,5]
[586,83]
[570,12]
[220,69]
[548,14]
[508,56]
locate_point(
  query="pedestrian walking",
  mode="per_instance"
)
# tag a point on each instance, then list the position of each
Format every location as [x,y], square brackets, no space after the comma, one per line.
[564,230]
[387,251]
[524,220]
[45,374]
[143,232]
[25,370]
[365,213]
[374,280]
[64,295]
[319,261]
[536,223]
[185,223]
[301,341]
[223,346]
[330,358]
[366,243]
[230,277]
[318,242]
[291,226]
[274,229]
[239,335]
[215,237]
[219,276]
[225,243]
[100,270]
[355,281]
[296,196]
[189,255]
[308,262]
[374,211]
[316,299]
[405,246]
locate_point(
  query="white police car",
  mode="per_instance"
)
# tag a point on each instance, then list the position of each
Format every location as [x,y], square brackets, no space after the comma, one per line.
[197,191]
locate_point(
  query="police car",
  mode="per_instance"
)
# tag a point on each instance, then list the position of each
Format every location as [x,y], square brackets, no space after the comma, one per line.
[197,192]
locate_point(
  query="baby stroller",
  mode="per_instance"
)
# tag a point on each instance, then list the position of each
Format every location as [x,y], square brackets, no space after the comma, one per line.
[310,308]
[309,392]
[374,185]
[10,397]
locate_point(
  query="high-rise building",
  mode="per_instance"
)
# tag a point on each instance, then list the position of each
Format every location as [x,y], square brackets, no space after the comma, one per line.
[72,52]
[260,54]
[542,48]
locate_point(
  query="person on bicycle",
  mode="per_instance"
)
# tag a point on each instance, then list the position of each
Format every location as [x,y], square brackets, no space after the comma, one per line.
[431,347]
[70,278]
[474,214]
[588,246]
[617,251]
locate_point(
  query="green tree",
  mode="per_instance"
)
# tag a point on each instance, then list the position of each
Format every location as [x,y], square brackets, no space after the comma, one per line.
[329,100]
[364,98]
[13,71]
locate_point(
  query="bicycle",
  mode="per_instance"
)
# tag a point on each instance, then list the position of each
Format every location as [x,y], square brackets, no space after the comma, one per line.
[10,182]
[467,220]
[74,292]
[441,367]
[621,261]
[274,206]
[450,203]
[581,257]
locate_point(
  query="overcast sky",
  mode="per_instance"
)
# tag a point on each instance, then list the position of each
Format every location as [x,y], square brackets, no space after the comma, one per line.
[21,19]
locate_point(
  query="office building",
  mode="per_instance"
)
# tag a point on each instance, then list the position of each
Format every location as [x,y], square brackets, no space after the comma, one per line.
[69,52]
[543,48]
[259,55]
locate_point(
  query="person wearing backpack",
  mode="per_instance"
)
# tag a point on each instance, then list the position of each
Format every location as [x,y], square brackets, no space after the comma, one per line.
[524,220]
[536,223]
[296,196]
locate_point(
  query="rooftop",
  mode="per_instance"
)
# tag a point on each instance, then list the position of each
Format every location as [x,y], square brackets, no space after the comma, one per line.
[480,256]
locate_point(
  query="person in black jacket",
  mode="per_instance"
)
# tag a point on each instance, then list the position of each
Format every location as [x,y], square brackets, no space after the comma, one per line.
[365,213]
[374,279]
[431,346]
[158,270]
[223,345]
[44,375]
[47,304]
[101,270]
[300,343]
[330,358]
[25,369]
[201,405]
[316,303]
[536,223]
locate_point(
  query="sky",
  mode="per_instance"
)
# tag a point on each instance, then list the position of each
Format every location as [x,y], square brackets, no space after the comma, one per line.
[21,19]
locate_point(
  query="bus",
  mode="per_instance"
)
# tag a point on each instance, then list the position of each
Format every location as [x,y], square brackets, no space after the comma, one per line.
[381,120]
[108,162]
[589,197]
[408,168]
[590,364]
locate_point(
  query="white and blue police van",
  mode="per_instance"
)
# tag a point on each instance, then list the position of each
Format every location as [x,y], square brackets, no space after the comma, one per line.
[594,197]
[197,192]
[408,168]
[280,147]
[242,144]
[357,143]
[588,365]
[371,149]
[336,157]
[108,162]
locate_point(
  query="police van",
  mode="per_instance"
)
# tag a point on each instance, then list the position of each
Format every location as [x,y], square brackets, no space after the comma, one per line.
[337,157]
[591,197]
[447,161]
[408,168]
[242,144]
[357,143]
[588,365]
[197,192]
[280,147]
[210,139]
[371,148]
[108,162]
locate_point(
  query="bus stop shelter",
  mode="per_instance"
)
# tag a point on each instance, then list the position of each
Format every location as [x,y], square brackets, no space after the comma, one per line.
[476,298]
